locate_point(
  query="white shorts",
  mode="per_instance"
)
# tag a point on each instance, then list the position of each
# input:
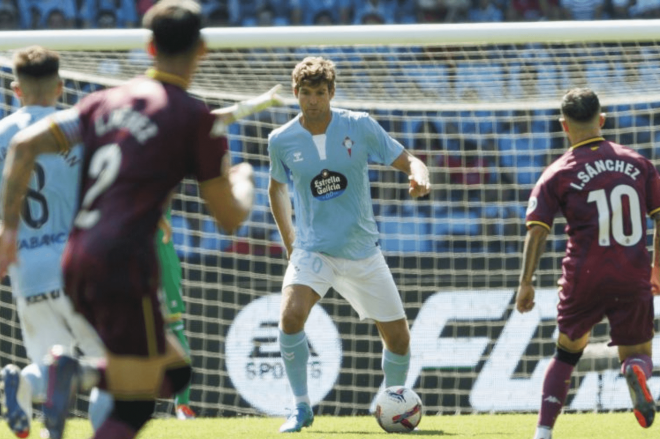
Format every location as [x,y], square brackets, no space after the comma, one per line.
[49,319]
[367,283]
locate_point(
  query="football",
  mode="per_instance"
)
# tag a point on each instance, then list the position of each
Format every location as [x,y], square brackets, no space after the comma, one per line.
[398,409]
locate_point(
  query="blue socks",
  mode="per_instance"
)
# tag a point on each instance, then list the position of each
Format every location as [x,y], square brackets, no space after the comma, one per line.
[101,404]
[295,354]
[395,368]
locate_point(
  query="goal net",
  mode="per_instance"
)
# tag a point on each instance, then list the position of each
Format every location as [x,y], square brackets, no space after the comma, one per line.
[479,105]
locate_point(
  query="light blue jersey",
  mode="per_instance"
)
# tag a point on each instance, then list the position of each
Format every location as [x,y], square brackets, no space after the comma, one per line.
[332,196]
[47,212]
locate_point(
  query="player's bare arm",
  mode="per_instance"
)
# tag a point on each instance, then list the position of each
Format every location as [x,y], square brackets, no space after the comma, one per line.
[417,173]
[280,204]
[655,263]
[534,246]
[23,150]
[229,197]
[229,115]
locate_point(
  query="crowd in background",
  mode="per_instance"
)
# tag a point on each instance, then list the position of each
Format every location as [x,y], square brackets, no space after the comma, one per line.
[108,14]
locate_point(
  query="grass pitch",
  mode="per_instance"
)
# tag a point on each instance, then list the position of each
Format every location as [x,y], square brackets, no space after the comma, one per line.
[569,426]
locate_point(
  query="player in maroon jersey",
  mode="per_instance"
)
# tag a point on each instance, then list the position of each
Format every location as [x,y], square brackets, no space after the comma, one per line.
[605,191]
[140,140]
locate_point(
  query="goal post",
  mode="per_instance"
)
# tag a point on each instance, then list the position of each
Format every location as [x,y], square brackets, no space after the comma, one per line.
[479,104]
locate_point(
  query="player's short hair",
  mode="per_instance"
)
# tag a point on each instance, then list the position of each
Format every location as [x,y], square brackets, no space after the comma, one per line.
[580,105]
[175,24]
[35,63]
[313,71]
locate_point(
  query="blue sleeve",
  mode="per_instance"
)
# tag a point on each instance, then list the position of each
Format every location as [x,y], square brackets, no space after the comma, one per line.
[382,147]
[277,169]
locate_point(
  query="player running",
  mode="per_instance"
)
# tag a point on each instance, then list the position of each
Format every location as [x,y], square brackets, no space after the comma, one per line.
[45,313]
[605,191]
[325,151]
[139,141]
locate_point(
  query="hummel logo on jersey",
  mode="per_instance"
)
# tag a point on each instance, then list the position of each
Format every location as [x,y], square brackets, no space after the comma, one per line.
[288,356]
[553,399]
[297,157]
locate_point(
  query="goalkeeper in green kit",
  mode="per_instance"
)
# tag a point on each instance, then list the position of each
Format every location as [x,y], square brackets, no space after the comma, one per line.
[170,266]
[170,283]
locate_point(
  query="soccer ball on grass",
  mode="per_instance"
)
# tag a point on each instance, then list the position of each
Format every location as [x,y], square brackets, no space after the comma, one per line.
[398,409]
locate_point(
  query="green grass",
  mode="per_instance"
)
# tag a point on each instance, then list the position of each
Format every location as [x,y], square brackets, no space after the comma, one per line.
[569,426]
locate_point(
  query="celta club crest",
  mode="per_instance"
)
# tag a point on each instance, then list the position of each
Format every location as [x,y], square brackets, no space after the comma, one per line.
[348,144]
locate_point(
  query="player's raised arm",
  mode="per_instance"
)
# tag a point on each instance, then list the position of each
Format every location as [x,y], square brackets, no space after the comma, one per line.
[534,245]
[229,115]
[23,150]
[417,173]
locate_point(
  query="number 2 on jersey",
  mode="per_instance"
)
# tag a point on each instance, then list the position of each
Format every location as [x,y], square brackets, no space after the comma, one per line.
[104,167]
[614,220]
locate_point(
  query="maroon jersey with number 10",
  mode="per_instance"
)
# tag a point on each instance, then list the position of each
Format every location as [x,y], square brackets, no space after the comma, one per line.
[140,140]
[605,191]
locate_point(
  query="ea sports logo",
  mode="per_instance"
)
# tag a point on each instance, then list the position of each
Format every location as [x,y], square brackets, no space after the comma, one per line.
[256,367]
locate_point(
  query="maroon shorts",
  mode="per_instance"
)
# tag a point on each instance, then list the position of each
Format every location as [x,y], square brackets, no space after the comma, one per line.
[121,302]
[630,317]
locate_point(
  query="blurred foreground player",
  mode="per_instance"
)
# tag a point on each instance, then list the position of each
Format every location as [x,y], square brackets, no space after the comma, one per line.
[605,191]
[139,140]
[45,313]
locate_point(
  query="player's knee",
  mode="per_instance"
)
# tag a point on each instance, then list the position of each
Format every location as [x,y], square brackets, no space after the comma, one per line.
[564,356]
[134,413]
[292,322]
[399,344]
[179,378]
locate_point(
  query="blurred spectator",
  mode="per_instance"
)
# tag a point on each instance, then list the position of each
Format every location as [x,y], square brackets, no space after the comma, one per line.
[56,20]
[142,6]
[582,9]
[265,16]
[468,171]
[304,12]
[645,9]
[484,11]
[406,11]
[442,11]
[8,16]
[533,10]
[220,13]
[124,11]
[374,12]
[324,18]
[106,20]
[372,18]
[620,9]
[34,14]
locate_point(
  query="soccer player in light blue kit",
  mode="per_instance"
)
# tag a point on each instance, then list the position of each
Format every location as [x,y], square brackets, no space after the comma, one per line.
[45,312]
[325,151]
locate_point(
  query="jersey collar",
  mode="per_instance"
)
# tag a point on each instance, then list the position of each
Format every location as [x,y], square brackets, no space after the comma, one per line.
[167,78]
[588,141]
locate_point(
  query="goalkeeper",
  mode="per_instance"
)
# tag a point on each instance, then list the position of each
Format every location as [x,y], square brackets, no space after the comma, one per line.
[170,266]
[170,282]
